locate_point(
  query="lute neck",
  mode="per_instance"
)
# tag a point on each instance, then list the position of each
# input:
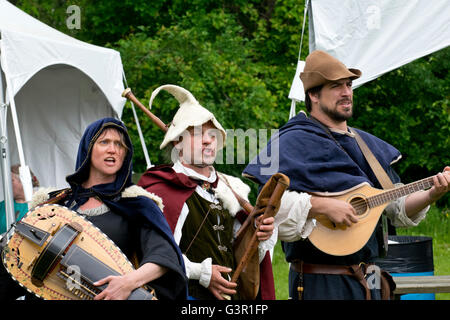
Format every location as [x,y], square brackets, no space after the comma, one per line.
[399,192]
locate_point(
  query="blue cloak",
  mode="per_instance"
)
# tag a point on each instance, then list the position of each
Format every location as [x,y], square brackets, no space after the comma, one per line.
[314,162]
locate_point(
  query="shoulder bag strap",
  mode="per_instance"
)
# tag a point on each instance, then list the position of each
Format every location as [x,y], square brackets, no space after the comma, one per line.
[377,169]
[385,182]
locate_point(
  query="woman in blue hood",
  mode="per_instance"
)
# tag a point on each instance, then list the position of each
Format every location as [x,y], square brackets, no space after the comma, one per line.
[101,190]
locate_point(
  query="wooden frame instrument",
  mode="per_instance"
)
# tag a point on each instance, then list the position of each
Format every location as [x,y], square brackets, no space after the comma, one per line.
[56,254]
[246,242]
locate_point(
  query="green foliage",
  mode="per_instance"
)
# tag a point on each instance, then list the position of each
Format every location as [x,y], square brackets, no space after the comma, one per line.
[238,58]
[212,61]
[409,107]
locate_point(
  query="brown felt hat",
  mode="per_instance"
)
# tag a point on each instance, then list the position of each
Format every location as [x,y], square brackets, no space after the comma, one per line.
[320,67]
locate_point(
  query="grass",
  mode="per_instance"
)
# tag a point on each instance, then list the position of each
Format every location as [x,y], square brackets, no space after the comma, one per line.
[280,273]
[436,225]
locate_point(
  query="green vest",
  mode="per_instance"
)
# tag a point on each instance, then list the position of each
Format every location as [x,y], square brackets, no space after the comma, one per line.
[212,239]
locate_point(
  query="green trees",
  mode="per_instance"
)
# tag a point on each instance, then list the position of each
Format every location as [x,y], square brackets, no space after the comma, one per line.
[238,58]
[410,108]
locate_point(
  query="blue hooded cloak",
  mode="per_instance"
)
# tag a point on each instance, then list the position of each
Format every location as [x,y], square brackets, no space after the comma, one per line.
[139,209]
[314,162]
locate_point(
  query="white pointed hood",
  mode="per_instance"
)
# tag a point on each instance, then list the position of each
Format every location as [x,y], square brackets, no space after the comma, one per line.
[190,114]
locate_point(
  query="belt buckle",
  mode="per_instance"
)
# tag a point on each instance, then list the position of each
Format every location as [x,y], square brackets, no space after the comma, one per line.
[362,266]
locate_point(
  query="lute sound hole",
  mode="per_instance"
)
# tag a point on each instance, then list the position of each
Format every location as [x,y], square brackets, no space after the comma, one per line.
[360,205]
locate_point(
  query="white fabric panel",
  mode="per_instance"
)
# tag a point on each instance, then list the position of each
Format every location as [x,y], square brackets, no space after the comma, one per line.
[29,45]
[60,85]
[54,108]
[297,91]
[377,36]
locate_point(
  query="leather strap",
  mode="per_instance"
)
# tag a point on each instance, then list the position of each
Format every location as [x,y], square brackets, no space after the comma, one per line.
[379,172]
[357,271]
[383,179]
[310,268]
[360,274]
[198,230]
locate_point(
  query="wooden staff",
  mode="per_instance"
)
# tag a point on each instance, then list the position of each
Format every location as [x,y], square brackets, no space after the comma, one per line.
[127,93]
[270,211]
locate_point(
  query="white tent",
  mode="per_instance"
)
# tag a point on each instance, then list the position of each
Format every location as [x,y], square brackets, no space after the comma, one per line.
[52,87]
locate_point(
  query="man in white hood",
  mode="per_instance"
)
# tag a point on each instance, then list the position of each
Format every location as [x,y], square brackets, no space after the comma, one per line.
[199,205]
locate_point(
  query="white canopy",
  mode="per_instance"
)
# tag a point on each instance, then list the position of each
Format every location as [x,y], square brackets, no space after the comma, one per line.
[56,85]
[376,36]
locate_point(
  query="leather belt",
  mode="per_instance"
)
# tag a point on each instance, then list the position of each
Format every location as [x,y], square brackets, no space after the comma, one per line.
[309,268]
[357,271]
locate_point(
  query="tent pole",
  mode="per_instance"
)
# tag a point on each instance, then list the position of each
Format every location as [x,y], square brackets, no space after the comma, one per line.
[5,162]
[292,111]
[141,137]
[138,126]
[303,29]
[24,170]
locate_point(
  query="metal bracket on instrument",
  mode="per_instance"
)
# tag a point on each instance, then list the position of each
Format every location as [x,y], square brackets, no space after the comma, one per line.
[32,233]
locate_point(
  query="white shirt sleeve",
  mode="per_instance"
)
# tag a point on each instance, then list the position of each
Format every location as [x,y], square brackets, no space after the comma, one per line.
[395,211]
[177,233]
[268,244]
[292,218]
[199,271]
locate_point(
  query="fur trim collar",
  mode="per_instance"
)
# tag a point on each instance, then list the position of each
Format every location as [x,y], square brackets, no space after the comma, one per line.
[136,191]
[41,195]
[227,197]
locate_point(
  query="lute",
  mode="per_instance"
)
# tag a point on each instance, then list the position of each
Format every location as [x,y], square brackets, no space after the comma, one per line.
[369,203]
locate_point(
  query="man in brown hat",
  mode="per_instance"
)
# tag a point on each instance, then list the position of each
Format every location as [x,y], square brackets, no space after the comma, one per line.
[320,155]
[321,69]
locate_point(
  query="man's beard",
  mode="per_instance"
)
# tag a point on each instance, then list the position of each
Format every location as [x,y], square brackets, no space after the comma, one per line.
[335,115]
